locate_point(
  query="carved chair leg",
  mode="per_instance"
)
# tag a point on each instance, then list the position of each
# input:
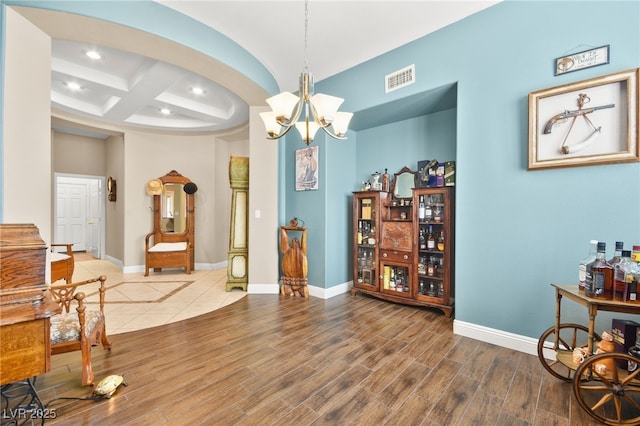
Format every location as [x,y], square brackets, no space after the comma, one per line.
[87,371]
[106,344]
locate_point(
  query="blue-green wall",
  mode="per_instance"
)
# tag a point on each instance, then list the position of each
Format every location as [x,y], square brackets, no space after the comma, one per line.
[516,230]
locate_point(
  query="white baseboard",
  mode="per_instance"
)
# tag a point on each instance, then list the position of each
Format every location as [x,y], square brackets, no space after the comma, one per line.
[263,289]
[505,339]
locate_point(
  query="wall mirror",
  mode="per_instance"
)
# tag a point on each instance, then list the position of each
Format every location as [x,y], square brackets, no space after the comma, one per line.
[174,208]
[403,184]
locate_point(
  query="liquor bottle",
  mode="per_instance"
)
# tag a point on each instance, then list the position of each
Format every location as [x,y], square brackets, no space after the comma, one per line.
[440,241]
[422,267]
[392,280]
[359,232]
[422,240]
[421,209]
[599,278]
[623,274]
[582,267]
[616,254]
[431,240]
[437,213]
[428,210]
[635,254]
[431,267]
[371,238]
[385,181]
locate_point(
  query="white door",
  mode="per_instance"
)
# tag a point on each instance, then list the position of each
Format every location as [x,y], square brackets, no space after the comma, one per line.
[71,215]
[94,222]
[79,213]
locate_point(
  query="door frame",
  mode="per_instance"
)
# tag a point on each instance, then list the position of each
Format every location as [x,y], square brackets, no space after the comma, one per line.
[102,208]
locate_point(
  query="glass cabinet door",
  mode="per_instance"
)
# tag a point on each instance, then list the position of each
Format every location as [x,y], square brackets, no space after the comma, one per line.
[433,240]
[366,240]
[396,278]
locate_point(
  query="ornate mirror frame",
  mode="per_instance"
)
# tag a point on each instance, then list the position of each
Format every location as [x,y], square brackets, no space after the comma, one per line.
[403,183]
[159,229]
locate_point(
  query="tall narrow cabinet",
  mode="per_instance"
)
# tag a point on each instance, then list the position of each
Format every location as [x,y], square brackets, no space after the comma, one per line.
[404,253]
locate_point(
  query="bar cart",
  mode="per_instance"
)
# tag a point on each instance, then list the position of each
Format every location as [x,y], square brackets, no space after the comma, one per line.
[603,383]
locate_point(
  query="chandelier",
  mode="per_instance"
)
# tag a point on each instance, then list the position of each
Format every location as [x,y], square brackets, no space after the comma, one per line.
[320,110]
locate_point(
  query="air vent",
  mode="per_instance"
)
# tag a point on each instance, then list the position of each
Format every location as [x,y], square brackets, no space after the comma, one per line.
[400,78]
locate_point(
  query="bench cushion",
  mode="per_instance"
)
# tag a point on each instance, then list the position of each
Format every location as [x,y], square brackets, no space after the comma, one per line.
[56,256]
[160,247]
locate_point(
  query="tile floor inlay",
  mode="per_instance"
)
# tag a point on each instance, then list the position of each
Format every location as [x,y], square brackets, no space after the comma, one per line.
[141,291]
[135,302]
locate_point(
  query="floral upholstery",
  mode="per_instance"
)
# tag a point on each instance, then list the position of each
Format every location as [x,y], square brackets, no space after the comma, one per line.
[65,327]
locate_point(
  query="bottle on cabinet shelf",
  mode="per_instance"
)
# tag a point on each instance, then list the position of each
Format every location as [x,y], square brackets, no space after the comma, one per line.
[422,241]
[582,267]
[440,241]
[359,237]
[428,210]
[431,240]
[421,209]
[599,276]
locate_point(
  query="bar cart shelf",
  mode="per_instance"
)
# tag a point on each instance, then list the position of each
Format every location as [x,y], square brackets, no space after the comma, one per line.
[603,384]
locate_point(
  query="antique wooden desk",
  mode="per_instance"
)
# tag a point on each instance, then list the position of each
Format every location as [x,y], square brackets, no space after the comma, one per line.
[25,309]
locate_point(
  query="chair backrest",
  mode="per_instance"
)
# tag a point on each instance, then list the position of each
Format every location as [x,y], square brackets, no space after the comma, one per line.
[65,294]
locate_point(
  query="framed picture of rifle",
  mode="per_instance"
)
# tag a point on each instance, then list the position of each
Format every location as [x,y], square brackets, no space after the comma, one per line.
[585,123]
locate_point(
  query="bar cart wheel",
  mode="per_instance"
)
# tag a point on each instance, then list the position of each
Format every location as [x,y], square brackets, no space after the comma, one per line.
[609,395]
[570,336]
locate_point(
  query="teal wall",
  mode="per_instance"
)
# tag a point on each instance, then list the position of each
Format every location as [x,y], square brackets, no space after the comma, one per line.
[516,230]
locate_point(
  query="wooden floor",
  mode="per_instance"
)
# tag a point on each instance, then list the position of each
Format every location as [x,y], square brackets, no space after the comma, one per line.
[349,360]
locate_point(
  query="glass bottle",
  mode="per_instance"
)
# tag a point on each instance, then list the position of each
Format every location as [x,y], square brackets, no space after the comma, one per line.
[431,239]
[422,240]
[437,213]
[421,209]
[582,267]
[359,232]
[617,254]
[599,278]
[635,254]
[428,210]
[440,241]
[385,181]
[623,274]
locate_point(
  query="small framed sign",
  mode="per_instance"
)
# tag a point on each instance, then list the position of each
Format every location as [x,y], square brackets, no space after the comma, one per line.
[581,60]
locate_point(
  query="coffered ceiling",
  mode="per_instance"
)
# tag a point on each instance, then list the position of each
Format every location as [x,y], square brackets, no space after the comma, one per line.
[135,90]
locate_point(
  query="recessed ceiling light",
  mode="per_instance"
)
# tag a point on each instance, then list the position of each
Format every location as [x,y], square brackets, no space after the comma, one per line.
[165,111]
[197,90]
[93,54]
[72,85]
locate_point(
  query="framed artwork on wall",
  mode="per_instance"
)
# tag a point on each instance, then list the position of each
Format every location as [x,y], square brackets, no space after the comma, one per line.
[307,169]
[585,123]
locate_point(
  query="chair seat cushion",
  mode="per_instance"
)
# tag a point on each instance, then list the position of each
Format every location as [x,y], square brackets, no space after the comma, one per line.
[65,327]
[56,256]
[168,247]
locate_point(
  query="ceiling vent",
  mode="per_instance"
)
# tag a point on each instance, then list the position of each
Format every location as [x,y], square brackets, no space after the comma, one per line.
[400,78]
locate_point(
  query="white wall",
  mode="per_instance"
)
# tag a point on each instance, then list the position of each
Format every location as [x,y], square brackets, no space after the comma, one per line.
[27,158]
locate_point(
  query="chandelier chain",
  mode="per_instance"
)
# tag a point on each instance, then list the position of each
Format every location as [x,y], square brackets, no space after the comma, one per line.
[306,39]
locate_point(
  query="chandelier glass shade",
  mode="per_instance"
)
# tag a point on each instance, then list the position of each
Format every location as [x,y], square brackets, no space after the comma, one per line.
[308,112]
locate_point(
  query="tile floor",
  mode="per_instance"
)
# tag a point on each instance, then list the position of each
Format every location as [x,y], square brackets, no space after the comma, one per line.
[135,302]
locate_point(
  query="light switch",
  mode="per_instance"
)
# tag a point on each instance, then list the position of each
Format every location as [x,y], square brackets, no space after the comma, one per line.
[258,214]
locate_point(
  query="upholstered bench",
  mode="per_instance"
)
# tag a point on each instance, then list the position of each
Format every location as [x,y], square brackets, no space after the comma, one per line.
[167,255]
[62,264]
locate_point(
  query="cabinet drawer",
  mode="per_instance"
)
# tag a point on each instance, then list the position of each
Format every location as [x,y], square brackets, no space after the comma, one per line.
[396,256]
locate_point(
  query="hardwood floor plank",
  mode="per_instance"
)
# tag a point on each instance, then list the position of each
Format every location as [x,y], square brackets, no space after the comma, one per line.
[273,360]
